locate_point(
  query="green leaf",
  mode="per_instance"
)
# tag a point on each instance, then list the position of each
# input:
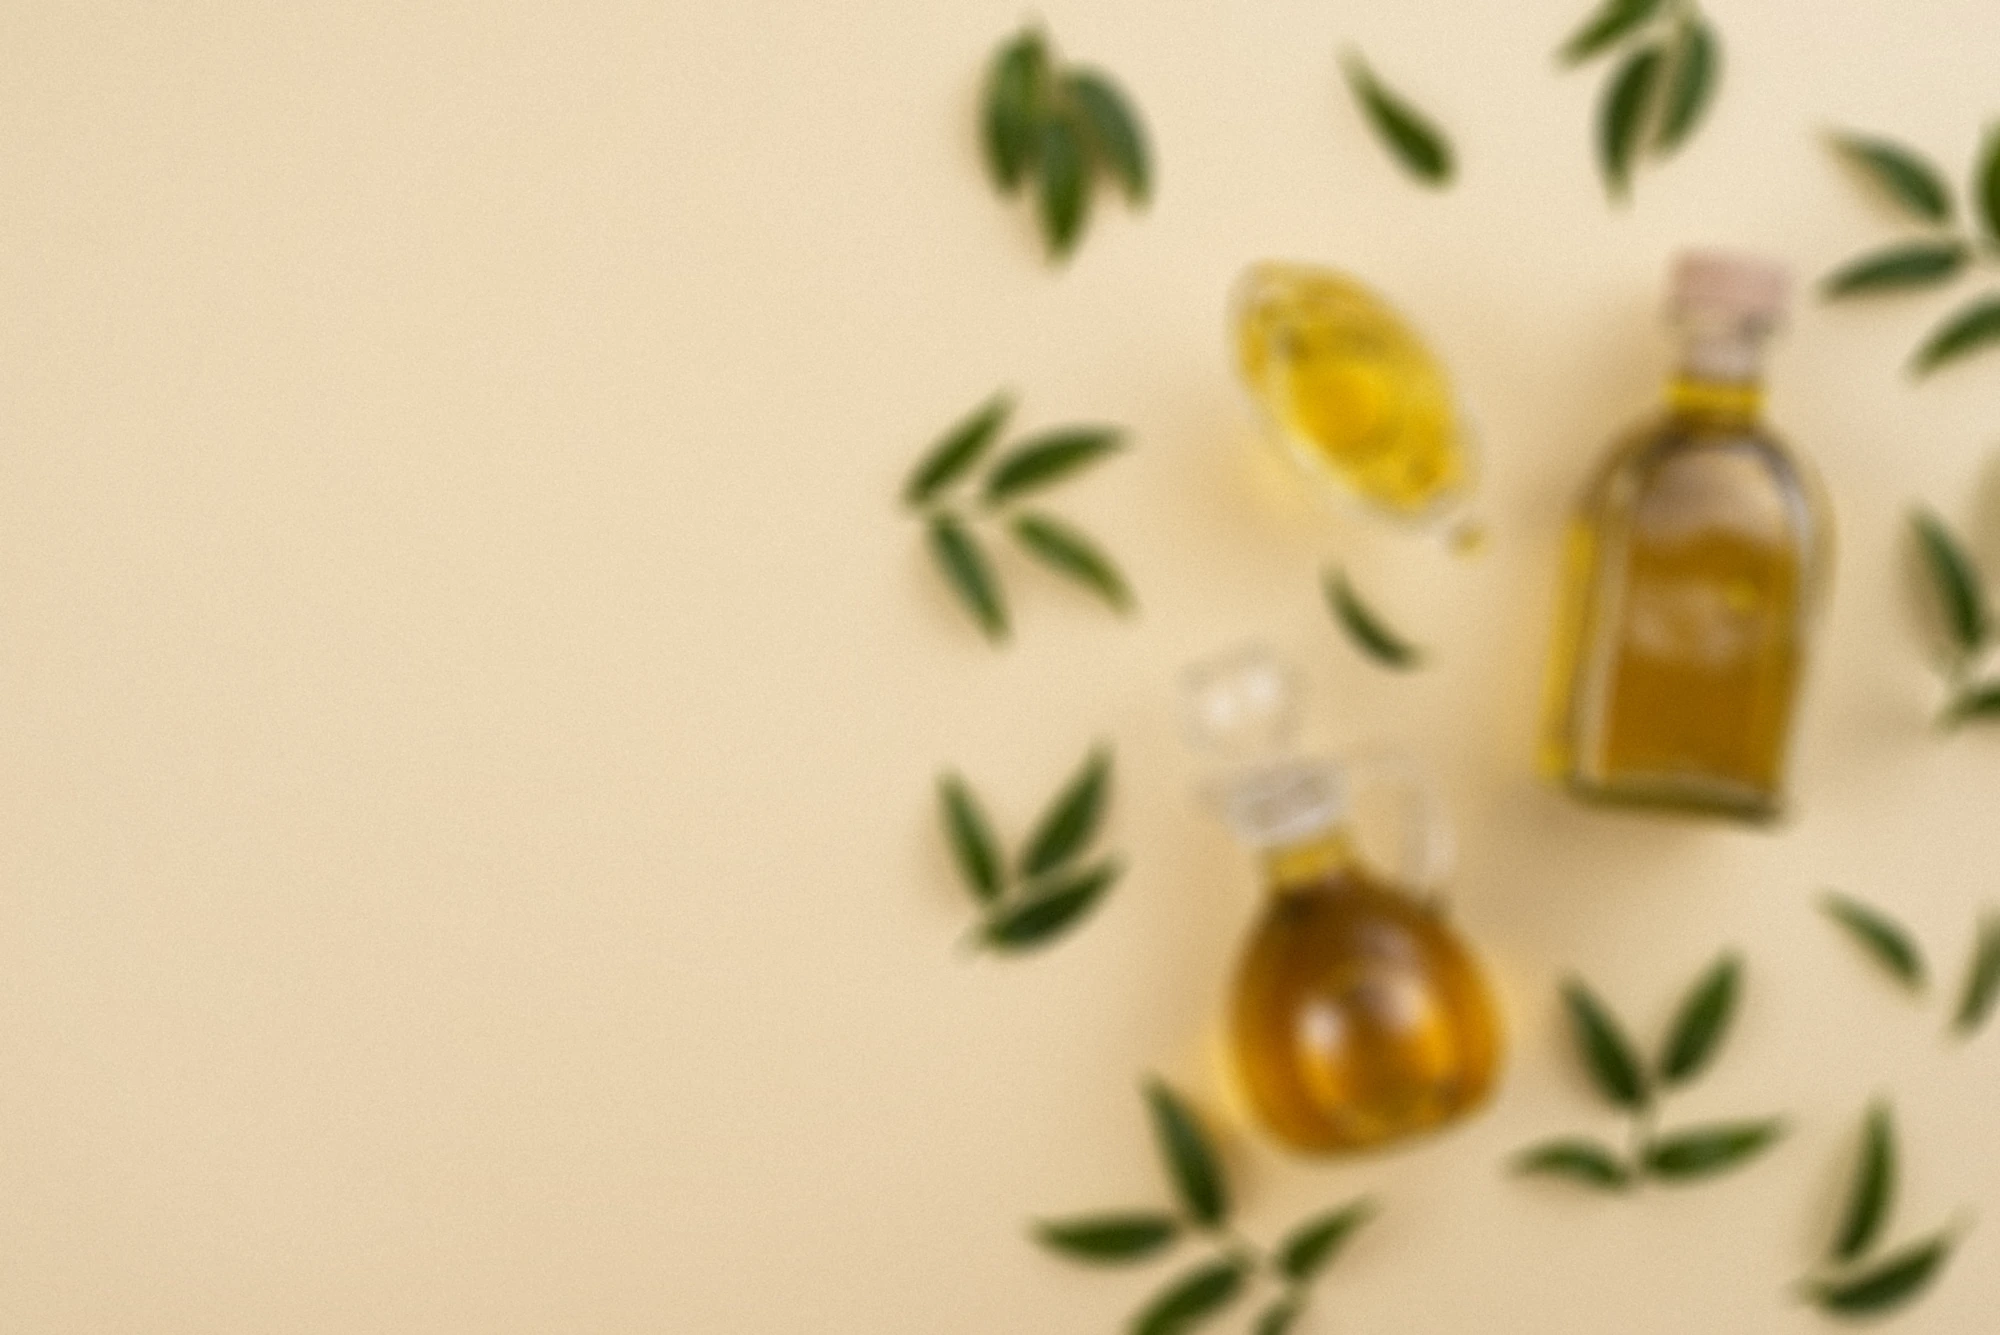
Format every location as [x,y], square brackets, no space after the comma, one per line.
[965,570]
[1194,1298]
[1064,202]
[1049,910]
[1616,19]
[1013,95]
[1190,1158]
[1048,458]
[1986,186]
[1887,1285]
[1314,1244]
[1606,1051]
[1708,1150]
[1621,124]
[972,844]
[1279,1317]
[1873,1192]
[1069,553]
[1902,174]
[1979,702]
[1898,268]
[1697,69]
[1113,131]
[1960,590]
[1071,821]
[1880,937]
[1703,1020]
[1973,328]
[1412,137]
[1367,630]
[1982,976]
[958,450]
[1581,1161]
[1111,1239]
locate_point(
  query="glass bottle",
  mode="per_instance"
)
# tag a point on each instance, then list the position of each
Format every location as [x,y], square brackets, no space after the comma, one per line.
[1358,1017]
[1695,563]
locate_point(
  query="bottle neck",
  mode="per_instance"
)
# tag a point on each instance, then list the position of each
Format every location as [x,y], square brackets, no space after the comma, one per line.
[1309,862]
[1721,373]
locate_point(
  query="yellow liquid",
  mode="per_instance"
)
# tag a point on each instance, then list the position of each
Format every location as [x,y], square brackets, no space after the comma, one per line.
[1359,1017]
[1691,570]
[1350,388]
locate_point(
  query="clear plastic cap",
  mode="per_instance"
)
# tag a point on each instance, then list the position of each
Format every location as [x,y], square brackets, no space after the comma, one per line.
[1729,288]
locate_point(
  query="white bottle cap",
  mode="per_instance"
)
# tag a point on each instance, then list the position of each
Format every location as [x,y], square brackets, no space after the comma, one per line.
[1732,288]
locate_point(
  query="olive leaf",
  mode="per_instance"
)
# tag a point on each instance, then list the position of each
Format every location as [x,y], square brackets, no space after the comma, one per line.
[1190,1158]
[1974,327]
[968,575]
[1976,703]
[1069,553]
[1621,125]
[971,837]
[1986,185]
[1873,1192]
[1313,1245]
[1982,975]
[958,450]
[1411,136]
[1049,910]
[1279,1317]
[1887,1285]
[1048,458]
[1901,173]
[1112,1239]
[1072,819]
[1880,937]
[1193,1299]
[1368,631]
[1960,590]
[1606,1051]
[1898,268]
[1704,1019]
[1615,20]
[1115,136]
[1064,202]
[1703,1151]
[1697,69]
[1582,1161]
[1013,92]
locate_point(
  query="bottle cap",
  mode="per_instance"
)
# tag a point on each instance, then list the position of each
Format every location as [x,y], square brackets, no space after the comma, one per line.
[1734,287]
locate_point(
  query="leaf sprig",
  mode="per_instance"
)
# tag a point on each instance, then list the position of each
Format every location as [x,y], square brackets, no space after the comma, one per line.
[1848,1284]
[1669,68]
[1028,468]
[1969,624]
[1063,127]
[1369,632]
[1202,1208]
[1629,1084]
[1041,893]
[1411,137]
[1891,947]
[1939,252]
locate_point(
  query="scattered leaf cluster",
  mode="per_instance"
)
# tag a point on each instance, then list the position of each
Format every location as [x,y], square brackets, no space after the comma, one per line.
[1891,946]
[1411,137]
[1201,1292]
[1369,632]
[1062,128]
[1669,66]
[1968,621]
[1027,469]
[1629,1084]
[1941,252]
[1043,892]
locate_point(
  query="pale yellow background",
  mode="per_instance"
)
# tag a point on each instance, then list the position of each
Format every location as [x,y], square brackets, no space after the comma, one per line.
[470,700]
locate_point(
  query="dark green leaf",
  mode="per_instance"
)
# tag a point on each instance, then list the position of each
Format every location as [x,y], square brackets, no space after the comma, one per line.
[1065,198]
[1191,1160]
[1697,69]
[1013,94]
[1622,117]
[1973,328]
[1887,1285]
[1703,1020]
[1279,1317]
[972,842]
[1194,1298]
[1410,135]
[1367,630]
[1903,175]
[1979,702]
[1687,1155]
[1313,1244]
[1071,821]
[1986,186]
[1579,1160]
[1982,976]
[1063,549]
[958,450]
[1606,1051]
[970,577]
[1883,939]
[1614,20]
[1961,592]
[1113,1239]
[1048,458]
[1115,134]
[1899,268]
[1049,910]
[1873,1192]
